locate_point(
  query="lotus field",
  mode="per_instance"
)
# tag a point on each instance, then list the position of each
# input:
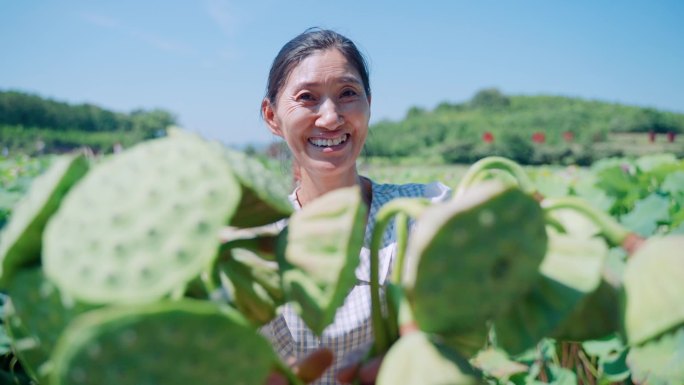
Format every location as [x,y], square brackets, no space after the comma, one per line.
[159,264]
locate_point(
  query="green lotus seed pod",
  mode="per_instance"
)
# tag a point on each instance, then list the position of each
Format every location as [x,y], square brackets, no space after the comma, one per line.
[21,240]
[171,343]
[472,258]
[142,223]
[570,271]
[654,283]
[252,299]
[264,194]
[324,240]
[260,240]
[417,359]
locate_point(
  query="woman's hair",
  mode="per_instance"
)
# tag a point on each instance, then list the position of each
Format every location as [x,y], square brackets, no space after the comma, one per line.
[305,44]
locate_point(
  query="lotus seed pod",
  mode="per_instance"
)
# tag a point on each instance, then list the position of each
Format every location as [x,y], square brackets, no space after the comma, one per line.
[324,240]
[659,361]
[253,301]
[417,359]
[570,272]
[43,314]
[260,240]
[654,283]
[171,343]
[264,193]
[470,259]
[21,239]
[142,223]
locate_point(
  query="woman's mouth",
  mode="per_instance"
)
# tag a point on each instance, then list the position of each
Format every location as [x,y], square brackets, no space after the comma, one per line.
[329,142]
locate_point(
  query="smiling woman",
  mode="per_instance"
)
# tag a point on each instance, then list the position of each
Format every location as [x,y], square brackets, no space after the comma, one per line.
[318,100]
[321,109]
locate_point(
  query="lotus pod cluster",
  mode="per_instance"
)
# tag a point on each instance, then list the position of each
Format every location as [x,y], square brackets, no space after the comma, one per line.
[324,240]
[181,342]
[21,239]
[141,224]
[132,235]
[471,258]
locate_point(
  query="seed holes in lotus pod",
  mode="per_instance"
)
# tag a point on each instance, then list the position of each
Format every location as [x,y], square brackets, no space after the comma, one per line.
[487,218]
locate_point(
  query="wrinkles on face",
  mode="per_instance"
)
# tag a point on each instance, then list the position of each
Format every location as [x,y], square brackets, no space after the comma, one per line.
[323,98]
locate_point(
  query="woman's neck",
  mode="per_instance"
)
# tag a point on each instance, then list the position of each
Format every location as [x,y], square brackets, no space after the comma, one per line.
[311,188]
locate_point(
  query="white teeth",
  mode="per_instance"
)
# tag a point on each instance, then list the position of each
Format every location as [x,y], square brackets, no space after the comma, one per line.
[319,142]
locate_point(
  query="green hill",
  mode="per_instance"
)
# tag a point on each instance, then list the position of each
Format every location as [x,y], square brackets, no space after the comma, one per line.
[32,124]
[567,130]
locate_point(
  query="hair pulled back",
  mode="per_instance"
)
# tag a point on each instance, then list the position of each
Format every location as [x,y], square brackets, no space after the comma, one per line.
[305,44]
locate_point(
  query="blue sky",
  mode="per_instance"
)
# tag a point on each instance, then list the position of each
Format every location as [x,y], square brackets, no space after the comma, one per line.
[207,60]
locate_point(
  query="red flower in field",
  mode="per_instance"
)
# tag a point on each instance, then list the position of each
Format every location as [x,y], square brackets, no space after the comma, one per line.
[568,136]
[671,136]
[651,136]
[539,137]
[488,137]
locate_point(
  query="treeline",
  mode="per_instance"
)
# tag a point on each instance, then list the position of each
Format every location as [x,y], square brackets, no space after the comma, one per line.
[529,129]
[31,123]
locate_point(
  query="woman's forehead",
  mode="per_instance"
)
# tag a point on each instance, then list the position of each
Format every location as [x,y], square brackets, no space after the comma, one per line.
[328,66]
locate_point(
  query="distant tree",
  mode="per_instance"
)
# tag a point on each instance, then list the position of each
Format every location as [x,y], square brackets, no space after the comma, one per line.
[414,112]
[490,98]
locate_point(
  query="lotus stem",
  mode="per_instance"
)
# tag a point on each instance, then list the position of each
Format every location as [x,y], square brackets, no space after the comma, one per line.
[409,207]
[474,174]
[613,232]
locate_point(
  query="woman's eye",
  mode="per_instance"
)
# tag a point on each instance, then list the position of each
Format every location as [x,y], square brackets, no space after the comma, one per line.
[349,93]
[305,97]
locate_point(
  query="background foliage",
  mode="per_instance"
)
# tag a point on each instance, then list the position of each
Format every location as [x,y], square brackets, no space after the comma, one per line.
[32,124]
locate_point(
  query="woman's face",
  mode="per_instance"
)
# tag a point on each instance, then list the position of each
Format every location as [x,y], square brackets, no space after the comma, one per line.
[322,112]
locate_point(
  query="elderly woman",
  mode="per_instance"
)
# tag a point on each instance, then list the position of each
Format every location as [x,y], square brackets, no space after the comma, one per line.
[318,100]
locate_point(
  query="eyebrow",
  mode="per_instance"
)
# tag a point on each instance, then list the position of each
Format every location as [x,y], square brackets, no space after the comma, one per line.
[340,80]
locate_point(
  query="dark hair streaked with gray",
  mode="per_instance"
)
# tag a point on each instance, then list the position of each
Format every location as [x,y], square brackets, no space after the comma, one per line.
[305,44]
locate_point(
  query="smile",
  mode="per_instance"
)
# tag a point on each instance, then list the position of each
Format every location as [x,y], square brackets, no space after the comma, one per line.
[321,142]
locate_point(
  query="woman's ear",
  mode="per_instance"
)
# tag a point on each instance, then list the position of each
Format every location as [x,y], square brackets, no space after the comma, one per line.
[268,113]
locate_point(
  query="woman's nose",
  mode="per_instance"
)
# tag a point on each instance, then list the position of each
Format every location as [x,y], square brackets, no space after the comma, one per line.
[328,115]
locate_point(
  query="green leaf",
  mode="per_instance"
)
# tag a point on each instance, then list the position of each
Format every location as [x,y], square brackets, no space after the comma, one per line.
[673,183]
[659,362]
[497,363]
[648,213]
[611,354]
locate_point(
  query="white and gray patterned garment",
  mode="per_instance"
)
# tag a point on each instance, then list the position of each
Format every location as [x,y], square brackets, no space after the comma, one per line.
[351,330]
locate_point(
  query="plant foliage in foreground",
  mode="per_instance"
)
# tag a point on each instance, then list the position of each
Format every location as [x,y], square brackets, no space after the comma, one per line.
[158,265]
